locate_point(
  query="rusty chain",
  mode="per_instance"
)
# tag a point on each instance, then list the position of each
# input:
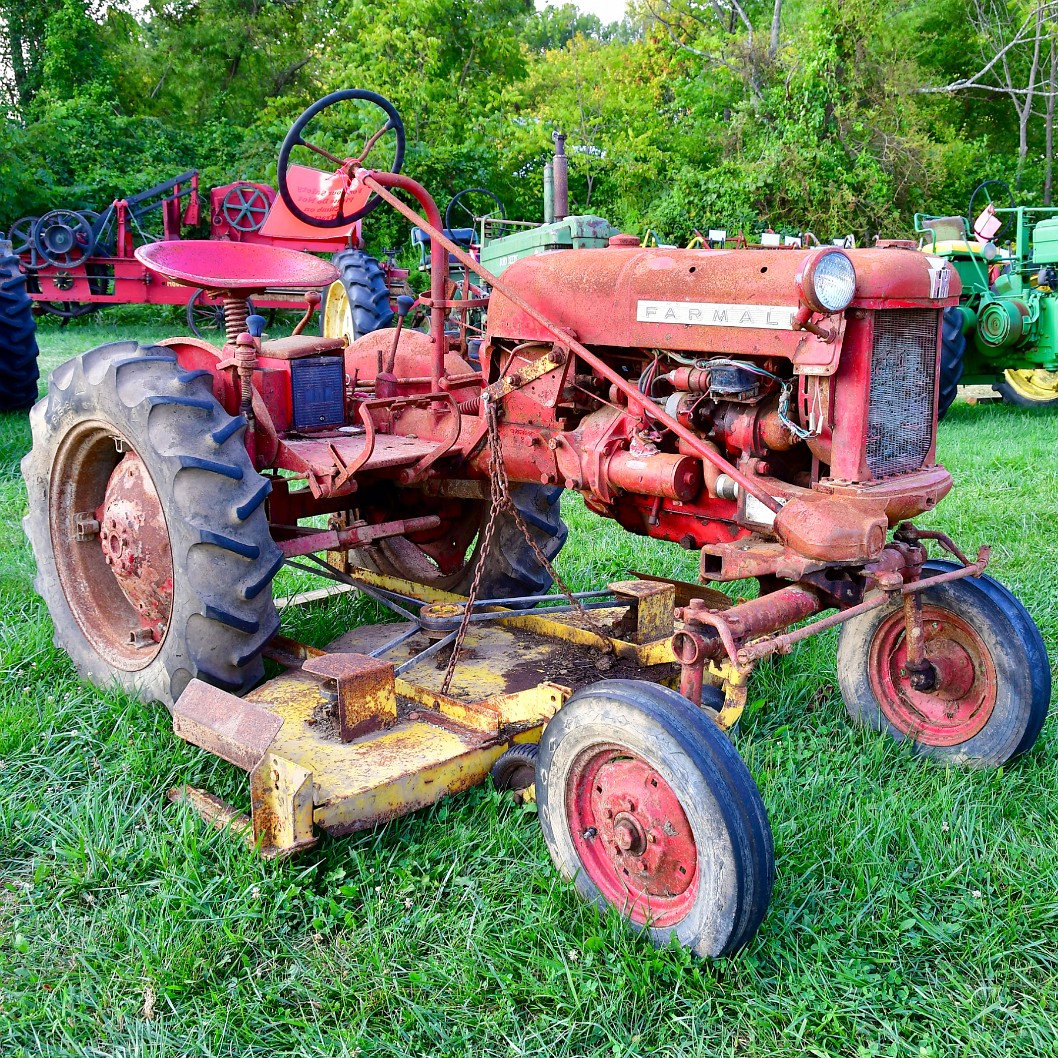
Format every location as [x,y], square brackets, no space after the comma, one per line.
[501,501]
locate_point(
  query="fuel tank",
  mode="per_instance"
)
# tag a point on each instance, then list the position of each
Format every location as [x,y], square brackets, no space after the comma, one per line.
[703,301]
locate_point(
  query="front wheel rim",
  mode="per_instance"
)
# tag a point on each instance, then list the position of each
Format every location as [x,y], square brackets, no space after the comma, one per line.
[1033,384]
[632,835]
[967,685]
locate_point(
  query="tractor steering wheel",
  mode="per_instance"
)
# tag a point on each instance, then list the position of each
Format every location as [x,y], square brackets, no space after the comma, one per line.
[345,166]
[983,191]
[466,204]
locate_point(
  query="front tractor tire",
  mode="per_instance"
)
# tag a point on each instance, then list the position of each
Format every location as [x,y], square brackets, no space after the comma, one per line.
[148,525]
[647,808]
[1034,389]
[994,678]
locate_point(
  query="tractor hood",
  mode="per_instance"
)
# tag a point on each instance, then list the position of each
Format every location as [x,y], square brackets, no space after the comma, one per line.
[706,301]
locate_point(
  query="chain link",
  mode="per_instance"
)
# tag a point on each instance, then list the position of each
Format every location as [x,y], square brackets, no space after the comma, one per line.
[501,501]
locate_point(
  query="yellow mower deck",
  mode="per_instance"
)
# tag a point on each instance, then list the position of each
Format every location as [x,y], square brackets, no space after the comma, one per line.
[338,743]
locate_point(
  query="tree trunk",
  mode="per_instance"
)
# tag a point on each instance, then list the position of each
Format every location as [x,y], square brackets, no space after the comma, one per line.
[1025,111]
[1049,155]
[776,25]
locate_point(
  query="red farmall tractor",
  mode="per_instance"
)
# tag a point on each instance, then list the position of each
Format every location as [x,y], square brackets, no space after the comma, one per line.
[775,413]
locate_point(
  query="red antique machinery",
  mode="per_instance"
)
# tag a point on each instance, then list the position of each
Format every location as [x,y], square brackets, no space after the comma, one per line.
[77,261]
[775,413]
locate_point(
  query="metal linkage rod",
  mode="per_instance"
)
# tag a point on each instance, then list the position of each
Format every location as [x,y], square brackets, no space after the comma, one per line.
[378,182]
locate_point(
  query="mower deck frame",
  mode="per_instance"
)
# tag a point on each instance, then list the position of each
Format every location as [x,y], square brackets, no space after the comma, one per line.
[341,741]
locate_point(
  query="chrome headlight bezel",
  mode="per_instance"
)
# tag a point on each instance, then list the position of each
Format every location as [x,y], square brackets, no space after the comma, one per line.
[828,281]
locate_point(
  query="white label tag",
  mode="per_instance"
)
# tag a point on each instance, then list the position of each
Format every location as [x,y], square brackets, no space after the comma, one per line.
[939,277]
[757,513]
[707,314]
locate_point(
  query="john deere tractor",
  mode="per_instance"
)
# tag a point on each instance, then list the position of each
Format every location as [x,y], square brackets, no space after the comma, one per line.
[1004,332]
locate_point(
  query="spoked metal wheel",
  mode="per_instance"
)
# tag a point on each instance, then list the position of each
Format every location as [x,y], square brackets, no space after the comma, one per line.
[21,234]
[646,806]
[63,238]
[205,315]
[245,208]
[989,687]
[1035,389]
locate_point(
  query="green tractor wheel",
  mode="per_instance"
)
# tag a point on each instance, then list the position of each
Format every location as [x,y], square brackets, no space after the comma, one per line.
[1034,388]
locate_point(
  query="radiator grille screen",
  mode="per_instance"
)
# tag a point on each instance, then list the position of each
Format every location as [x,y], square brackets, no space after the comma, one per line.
[903,379]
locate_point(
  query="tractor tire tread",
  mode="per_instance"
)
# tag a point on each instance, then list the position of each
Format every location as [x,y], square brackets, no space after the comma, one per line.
[223,554]
[19,371]
[366,288]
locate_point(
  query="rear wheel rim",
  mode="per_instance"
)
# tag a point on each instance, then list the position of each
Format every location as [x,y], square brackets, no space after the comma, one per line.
[632,835]
[118,578]
[967,685]
[1033,384]
[337,314]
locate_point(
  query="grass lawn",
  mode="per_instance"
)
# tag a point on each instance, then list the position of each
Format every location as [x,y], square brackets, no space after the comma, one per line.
[915,910]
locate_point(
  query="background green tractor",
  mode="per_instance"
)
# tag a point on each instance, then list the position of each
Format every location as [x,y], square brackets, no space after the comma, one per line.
[1005,331]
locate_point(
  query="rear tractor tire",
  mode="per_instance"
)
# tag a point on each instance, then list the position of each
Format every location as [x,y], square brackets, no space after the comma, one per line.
[357,302]
[952,357]
[18,338]
[511,568]
[994,687]
[647,807]
[148,525]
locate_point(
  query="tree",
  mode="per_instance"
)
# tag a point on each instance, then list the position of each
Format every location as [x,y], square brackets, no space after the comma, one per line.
[1010,37]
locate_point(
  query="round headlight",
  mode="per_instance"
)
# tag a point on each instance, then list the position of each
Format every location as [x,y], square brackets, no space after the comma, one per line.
[829,282]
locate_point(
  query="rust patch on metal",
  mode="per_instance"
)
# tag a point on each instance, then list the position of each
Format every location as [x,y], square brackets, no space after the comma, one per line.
[652,608]
[281,795]
[233,729]
[216,812]
[364,691]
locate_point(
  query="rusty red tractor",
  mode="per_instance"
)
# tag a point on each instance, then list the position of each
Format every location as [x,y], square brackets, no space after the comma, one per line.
[774,413]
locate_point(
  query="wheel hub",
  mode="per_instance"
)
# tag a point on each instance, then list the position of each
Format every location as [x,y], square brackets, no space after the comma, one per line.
[135,543]
[111,544]
[632,836]
[1034,384]
[962,696]
[58,238]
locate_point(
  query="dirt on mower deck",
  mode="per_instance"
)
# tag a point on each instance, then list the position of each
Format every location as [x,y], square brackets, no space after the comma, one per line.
[497,660]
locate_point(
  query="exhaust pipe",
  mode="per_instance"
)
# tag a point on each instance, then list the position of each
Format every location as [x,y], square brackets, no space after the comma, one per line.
[561,176]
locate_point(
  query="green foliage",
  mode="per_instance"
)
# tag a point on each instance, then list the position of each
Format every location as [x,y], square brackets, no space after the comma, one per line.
[683,116]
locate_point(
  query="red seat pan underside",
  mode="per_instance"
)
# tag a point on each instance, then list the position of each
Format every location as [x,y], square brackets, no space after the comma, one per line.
[217,265]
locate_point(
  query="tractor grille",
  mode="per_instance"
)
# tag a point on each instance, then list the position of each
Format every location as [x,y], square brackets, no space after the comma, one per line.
[903,383]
